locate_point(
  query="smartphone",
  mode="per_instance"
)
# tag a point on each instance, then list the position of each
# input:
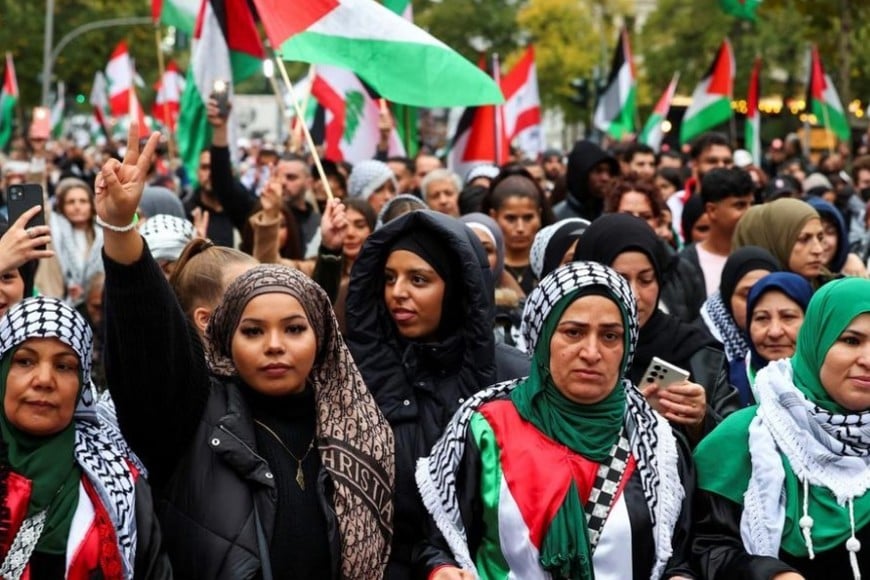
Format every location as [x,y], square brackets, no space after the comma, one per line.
[21,198]
[663,373]
[220,92]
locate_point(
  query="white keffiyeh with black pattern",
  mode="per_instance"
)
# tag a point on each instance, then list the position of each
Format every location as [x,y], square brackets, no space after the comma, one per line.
[100,449]
[652,441]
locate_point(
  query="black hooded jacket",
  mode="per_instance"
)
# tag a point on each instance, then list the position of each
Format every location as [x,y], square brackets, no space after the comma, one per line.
[580,202]
[419,386]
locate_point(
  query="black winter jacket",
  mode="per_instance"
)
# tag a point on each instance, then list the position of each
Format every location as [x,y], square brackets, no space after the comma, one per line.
[216,496]
[419,386]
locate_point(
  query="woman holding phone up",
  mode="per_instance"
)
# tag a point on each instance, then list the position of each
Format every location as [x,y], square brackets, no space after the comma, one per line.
[628,245]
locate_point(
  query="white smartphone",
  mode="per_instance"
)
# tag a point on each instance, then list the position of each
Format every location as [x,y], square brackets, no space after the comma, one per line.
[663,373]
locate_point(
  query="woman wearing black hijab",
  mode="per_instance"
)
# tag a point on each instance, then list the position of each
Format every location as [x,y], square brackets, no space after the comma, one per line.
[629,246]
[724,313]
[420,313]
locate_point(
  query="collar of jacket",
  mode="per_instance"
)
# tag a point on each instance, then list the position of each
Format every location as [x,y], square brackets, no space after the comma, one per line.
[233,440]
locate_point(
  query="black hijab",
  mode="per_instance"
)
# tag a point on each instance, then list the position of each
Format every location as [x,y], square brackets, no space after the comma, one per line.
[664,336]
[738,265]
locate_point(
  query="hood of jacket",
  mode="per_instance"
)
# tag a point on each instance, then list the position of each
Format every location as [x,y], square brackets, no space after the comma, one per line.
[583,157]
[376,345]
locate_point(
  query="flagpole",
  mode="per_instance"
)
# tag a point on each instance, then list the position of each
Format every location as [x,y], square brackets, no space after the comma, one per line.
[300,119]
[161,70]
[301,115]
[282,108]
[496,111]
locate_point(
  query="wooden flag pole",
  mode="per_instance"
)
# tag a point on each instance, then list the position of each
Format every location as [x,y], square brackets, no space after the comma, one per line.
[161,70]
[301,116]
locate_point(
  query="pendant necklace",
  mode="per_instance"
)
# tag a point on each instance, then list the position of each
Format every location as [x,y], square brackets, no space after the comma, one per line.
[300,478]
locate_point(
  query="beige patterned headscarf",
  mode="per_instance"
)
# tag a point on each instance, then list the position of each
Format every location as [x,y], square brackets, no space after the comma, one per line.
[354,440]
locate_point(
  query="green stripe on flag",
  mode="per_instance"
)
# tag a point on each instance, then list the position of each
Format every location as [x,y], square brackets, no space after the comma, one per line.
[653,124]
[7,119]
[623,124]
[174,15]
[403,72]
[744,9]
[712,115]
[194,132]
[490,561]
[832,118]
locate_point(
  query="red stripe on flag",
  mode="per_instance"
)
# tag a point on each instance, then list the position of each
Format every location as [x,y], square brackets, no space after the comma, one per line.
[528,118]
[753,96]
[519,75]
[156,9]
[334,103]
[817,77]
[241,31]
[283,19]
[119,50]
[721,82]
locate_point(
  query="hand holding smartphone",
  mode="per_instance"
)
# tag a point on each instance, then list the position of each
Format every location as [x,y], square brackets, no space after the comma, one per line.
[662,373]
[20,199]
[220,92]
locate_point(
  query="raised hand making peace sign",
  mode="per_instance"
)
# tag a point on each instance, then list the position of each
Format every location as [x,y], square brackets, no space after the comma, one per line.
[119,188]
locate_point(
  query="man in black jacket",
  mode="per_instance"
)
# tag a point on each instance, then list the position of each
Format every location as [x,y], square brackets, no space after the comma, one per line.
[226,200]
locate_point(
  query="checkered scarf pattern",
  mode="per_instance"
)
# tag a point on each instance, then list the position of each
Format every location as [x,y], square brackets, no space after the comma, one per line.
[650,437]
[100,449]
[713,312]
[353,437]
[538,252]
[166,236]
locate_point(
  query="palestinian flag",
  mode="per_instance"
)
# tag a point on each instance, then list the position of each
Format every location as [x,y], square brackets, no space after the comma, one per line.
[351,124]
[8,100]
[178,13]
[400,61]
[711,101]
[824,102]
[617,106]
[652,133]
[227,48]
[752,132]
[744,9]
[405,116]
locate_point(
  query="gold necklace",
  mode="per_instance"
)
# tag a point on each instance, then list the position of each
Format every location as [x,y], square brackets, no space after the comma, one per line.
[300,478]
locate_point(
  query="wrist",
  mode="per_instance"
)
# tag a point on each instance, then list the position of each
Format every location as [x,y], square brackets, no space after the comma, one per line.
[130,226]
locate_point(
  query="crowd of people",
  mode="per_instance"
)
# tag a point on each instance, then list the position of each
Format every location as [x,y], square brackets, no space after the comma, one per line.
[394,371]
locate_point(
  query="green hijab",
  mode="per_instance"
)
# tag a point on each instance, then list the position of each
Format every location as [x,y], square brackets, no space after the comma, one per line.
[774,226]
[590,430]
[49,463]
[722,459]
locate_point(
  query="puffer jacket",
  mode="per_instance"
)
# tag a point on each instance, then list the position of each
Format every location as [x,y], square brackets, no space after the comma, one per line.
[215,495]
[419,386]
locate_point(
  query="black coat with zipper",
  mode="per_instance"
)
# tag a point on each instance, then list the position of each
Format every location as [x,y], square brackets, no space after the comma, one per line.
[216,496]
[419,386]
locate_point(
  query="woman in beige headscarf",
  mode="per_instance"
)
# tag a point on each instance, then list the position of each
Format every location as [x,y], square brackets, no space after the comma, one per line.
[791,230]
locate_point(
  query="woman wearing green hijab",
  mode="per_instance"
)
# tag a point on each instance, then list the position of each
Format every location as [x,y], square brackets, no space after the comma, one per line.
[792,231]
[74,499]
[568,473]
[783,485]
